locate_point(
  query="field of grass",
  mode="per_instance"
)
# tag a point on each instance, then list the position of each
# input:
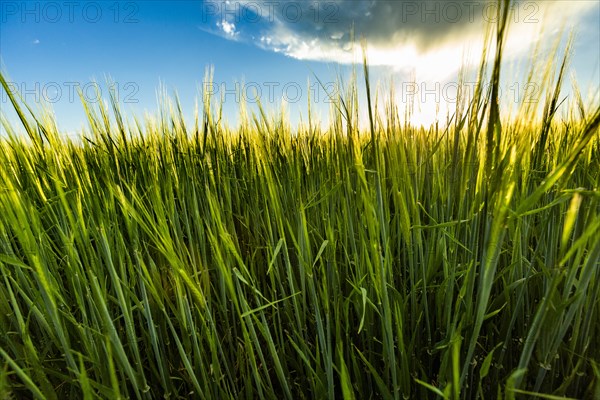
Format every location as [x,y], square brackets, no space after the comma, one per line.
[155,259]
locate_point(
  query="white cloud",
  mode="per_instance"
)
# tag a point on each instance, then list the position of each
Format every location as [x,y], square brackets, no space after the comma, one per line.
[426,37]
[36,41]
[227,27]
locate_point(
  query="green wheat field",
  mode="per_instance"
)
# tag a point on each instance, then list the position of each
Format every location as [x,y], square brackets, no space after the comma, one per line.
[158,259]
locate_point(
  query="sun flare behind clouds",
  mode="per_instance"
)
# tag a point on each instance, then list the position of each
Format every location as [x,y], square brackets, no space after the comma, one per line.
[424,43]
[400,34]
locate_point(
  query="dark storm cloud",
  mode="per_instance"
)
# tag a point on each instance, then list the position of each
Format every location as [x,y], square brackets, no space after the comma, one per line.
[326,30]
[422,22]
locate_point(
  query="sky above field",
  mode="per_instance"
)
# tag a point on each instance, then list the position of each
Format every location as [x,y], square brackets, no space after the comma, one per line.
[272,51]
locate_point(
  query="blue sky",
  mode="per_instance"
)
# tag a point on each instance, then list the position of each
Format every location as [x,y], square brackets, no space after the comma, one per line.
[48,48]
